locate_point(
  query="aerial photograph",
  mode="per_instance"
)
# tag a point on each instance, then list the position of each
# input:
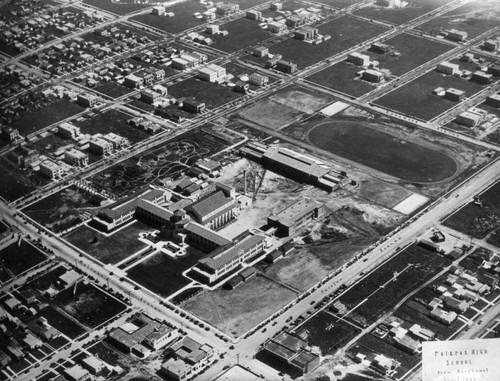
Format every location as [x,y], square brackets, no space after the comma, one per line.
[244,190]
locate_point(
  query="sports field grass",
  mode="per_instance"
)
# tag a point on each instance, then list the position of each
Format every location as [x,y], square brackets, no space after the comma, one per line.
[381,151]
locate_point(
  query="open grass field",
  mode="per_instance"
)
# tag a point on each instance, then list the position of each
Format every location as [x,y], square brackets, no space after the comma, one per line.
[235,312]
[162,274]
[343,77]
[475,18]
[382,289]
[61,322]
[406,160]
[346,31]
[243,33]
[111,121]
[212,94]
[167,161]
[61,210]
[33,120]
[406,45]
[112,89]
[17,258]
[416,99]
[478,221]
[328,332]
[109,249]
[89,305]
[402,15]
[182,20]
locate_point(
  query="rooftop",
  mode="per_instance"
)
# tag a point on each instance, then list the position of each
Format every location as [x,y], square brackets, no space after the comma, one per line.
[209,203]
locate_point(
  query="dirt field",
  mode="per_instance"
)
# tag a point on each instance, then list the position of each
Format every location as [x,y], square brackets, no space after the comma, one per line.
[236,311]
[284,107]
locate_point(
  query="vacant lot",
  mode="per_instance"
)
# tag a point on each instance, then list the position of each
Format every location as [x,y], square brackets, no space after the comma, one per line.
[475,18]
[212,94]
[111,121]
[109,249]
[119,7]
[328,332]
[402,15]
[183,19]
[162,274]
[343,77]
[62,209]
[402,58]
[236,311]
[346,31]
[284,107]
[89,305]
[398,276]
[61,322]
[243,33]
[416,98]
[478,221]
[19,257]
[17,183]
[406,160]
[112,89]
[33,120]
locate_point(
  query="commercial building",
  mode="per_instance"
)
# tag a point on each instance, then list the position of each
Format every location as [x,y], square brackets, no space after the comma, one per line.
[287,67]
[76,373]
[291,219]
[292,350]
[100,146]
[306,33]
[187,358]
[481,77]
[10,134]
[141,331]
[456,35]
[358,59]
[448,68]
[150,97]
[257,79]
[226,9]
[493,100]
[254,15]
[276,27]
[371,75]
[51,169]
[260,51]
[454,94]
[212,73]
[94,365]
[225,259]
[469,118]
[381,48]
[389,3]
[116,140]
[86,100]
[76,157]
[133,81]
[193,106]
[68,130]
[494,70]
[491,45]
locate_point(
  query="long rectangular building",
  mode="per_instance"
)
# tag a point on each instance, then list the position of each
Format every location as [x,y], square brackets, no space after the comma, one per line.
[289,220]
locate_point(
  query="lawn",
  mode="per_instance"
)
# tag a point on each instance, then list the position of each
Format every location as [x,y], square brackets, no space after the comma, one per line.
[235,312]
[109,249]
[162,274]
[416,99]
[384,152]
[345,32]
[478,221]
